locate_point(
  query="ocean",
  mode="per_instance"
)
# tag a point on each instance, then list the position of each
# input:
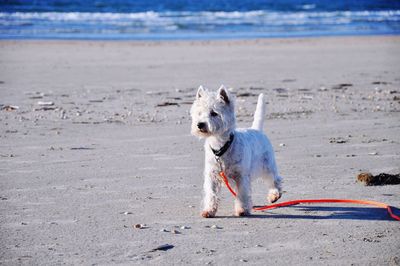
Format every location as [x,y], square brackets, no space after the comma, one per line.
[191,19]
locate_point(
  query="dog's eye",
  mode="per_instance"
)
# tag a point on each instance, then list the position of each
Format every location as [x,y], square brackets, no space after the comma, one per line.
[212,113]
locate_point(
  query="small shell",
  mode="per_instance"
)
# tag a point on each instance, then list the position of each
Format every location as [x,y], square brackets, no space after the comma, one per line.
[140,226]
[45,103]
[214,226]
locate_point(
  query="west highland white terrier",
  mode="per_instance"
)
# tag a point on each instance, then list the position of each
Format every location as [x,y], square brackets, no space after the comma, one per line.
[243,154]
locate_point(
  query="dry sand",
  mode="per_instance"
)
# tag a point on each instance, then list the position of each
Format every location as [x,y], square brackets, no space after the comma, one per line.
[115,150]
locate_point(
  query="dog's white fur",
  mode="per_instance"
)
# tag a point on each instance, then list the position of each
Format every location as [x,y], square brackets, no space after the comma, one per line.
[250,155]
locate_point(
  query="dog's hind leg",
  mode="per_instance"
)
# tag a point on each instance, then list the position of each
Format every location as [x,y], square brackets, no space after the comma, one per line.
[274,183]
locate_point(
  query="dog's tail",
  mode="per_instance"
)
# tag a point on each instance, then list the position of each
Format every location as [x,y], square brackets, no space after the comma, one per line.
[258,122]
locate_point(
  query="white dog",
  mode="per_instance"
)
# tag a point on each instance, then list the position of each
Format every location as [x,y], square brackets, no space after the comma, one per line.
[243,154]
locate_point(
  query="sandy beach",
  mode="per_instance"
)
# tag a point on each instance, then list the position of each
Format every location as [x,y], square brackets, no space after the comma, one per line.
[95,138]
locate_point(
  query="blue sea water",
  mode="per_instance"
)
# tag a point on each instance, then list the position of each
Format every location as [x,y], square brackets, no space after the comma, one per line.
[191,19]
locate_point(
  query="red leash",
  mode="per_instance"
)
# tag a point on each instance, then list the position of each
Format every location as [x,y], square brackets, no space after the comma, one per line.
[295,202]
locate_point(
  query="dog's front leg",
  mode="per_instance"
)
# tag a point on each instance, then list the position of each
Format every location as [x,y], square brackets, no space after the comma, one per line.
[211,189]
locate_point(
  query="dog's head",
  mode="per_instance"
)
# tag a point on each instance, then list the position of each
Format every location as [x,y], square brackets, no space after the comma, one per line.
[213,113]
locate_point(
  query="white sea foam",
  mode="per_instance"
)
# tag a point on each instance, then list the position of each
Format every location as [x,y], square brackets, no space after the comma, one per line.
[78,16]
[308,7]
[202,21]
[264,15]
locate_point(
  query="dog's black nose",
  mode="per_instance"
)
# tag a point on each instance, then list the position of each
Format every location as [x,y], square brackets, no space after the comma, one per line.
[201,125]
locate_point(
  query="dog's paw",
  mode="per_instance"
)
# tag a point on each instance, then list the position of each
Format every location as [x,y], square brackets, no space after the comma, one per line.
[273,195]
[242,212]
[207,214]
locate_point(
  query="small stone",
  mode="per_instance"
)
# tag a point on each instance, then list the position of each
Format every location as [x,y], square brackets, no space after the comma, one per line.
[163,230]
[126,213]
[243,260]
[164,247]
[176,232]
[183,227]
[373,153]
[282,144]
[337,140]
[63,115]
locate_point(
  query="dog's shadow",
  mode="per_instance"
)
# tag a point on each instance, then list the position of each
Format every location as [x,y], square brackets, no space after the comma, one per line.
[325,213]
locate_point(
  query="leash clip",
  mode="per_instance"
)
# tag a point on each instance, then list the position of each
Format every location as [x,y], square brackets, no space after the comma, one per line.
[217,158]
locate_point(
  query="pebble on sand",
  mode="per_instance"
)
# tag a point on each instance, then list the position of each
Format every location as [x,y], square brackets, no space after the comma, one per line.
[164,247]
[214,226]
[183,227]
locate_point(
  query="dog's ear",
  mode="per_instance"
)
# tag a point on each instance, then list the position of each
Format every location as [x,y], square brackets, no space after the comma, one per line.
[223,94]
[200,92]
